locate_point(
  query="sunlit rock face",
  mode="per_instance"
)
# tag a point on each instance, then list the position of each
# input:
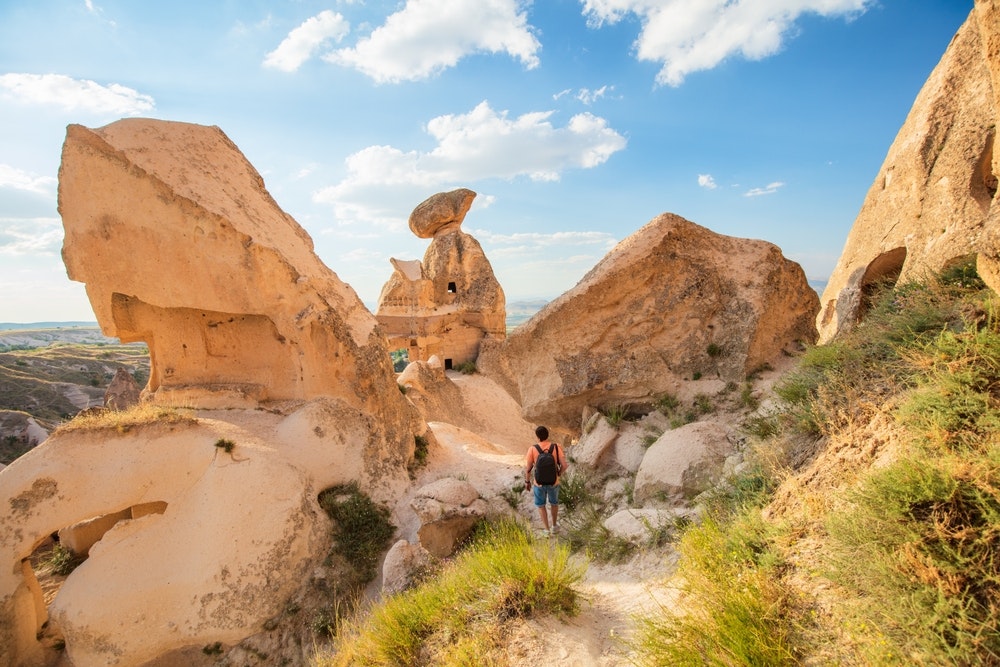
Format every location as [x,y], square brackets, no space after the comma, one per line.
[672,304]
[933,204]
[199,527]
[448,304]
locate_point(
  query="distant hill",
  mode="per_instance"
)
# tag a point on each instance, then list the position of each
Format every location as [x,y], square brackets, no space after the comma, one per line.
[44,325]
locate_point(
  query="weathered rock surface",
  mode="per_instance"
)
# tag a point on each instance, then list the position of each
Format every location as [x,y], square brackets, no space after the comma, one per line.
[447,304]
[185,567]
[448,509]
[402,565]
[683,463]
[933,203]
[672,302]
[180,246]
[123,392]
[443,212]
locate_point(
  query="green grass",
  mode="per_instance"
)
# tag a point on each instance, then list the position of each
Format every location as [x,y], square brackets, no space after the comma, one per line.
[906,552]
[458,616]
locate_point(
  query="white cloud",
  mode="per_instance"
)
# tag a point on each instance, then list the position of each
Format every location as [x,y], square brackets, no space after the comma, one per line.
[304,41]
[428,36]
[17,179]
[78,95]
[706,181]
[37,236]
[524,240]
[689,36]
[769,189]
[481,144]
[588,96]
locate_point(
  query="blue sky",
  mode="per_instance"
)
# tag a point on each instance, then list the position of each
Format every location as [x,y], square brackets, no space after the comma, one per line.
[576,121]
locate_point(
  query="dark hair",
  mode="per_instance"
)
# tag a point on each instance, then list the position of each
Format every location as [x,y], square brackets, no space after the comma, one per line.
[541,433]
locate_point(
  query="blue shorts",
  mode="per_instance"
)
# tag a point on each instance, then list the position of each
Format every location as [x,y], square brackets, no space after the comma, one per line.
[543,493]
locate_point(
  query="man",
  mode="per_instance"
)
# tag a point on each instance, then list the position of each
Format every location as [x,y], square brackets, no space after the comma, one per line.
[547,461]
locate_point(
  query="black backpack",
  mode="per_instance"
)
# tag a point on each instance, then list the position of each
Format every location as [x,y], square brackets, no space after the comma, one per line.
[546,469]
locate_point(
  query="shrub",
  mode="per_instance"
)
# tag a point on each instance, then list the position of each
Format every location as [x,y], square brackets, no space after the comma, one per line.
[225,445]
[467,368]
[62,560]
[362,530]
[459,617]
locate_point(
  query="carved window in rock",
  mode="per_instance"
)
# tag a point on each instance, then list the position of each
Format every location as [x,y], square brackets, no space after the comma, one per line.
[452,288]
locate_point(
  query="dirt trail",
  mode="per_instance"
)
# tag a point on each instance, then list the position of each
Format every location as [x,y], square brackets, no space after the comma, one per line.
[612,596]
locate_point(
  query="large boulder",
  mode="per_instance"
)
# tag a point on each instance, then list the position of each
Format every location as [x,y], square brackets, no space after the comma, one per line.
[672,302]
[934,201]
[447,304]
[448,510]
[181,246]
[683,463]
[209,547]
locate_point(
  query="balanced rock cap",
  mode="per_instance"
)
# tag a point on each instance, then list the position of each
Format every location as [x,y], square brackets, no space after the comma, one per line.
[443,212]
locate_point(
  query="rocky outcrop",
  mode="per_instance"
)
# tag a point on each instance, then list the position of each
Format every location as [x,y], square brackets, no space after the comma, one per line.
[671,303]
[182,247]
[123,392]
[448,509]
[210,545]
[198,527]
[447,304]
[934,201]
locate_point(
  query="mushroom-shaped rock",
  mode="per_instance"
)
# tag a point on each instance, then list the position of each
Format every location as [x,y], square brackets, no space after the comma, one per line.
[447,304]
[441,213]
[448,509]
[683,463]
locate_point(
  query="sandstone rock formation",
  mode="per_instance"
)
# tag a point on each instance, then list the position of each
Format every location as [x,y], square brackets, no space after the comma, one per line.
[201,526]
[123,392]
[672,302]
[683,463]
[448,509]
[182,247]
[447,304]
[934,201]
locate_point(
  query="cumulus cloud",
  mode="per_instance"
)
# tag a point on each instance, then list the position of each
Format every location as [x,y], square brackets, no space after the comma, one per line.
[479,145]
[76,95]
[33,236]
[17,179]
[768,189]
[305,41]
[428,36]
[706,181]
[688,36]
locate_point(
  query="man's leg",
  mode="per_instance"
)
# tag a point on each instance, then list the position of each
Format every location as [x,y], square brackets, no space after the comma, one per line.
[544,516]
[554,509]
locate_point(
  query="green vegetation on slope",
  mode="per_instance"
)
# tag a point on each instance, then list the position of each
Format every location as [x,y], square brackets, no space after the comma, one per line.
[882,546]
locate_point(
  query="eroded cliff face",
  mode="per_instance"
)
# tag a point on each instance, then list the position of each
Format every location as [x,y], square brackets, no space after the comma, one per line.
[181,246]
[671,304]
[934,201]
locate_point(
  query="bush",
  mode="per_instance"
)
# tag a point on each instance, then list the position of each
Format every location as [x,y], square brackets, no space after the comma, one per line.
[459,617]
[362,530]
